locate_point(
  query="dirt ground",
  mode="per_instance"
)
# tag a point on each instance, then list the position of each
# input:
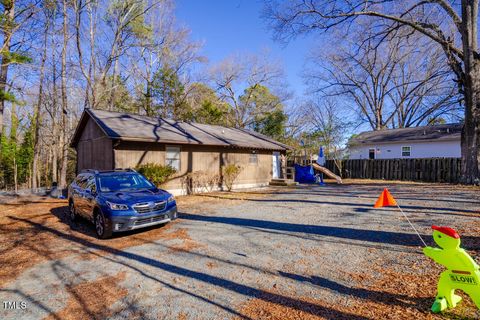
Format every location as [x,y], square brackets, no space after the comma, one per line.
[307,252]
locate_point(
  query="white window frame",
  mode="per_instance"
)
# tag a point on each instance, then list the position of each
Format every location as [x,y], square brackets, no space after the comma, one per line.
[409,151]
[177,150]
[374,153]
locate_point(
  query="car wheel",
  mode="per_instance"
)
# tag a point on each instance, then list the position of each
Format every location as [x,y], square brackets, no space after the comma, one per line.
[102,228]
[72,212]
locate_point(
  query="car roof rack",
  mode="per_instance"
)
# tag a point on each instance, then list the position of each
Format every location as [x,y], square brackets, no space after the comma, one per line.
[125,169]
[89,170]
[105,171]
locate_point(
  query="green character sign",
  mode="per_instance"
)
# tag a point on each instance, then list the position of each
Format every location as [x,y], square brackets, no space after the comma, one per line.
[462,271]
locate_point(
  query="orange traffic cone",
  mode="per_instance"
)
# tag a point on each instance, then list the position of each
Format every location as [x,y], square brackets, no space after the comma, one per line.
[385,200]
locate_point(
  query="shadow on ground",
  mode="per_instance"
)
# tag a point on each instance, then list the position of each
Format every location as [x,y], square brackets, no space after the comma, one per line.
[86,227]
[245,290]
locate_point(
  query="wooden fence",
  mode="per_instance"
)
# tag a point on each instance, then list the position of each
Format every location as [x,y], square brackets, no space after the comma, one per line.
[427,170]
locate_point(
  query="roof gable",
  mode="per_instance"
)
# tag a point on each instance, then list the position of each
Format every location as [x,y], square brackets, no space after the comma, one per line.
[133,127]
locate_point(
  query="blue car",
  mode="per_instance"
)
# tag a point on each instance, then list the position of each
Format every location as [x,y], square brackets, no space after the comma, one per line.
[119,200]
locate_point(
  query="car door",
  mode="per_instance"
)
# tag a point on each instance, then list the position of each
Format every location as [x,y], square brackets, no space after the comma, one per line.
[77,192]
[89,197]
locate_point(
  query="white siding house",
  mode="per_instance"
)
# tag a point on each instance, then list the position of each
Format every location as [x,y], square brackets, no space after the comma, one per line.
[439,141]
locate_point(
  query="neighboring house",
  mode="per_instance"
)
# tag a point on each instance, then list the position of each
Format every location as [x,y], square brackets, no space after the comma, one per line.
[105,140]
[437,141]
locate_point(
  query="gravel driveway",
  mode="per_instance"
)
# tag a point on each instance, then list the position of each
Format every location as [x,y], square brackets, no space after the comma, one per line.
[297,253]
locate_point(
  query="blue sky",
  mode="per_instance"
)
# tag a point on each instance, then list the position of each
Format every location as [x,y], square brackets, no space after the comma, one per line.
[234,26]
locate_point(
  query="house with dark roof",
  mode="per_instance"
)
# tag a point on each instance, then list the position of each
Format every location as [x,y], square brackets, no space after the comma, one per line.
[436,141]
[106,140]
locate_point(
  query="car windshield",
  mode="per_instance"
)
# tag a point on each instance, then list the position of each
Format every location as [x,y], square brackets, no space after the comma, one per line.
[123,182]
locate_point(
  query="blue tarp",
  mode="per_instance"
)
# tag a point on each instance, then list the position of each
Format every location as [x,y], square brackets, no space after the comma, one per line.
[304,174]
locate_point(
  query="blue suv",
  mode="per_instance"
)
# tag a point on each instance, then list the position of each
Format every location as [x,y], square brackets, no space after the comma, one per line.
[119,200]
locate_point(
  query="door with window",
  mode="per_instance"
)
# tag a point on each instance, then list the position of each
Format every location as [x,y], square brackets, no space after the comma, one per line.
[371,154]
[276,165]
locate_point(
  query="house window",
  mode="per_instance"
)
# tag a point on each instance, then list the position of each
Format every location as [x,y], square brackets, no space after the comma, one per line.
[172,157]
[253,158]
[406,151]
[371,153]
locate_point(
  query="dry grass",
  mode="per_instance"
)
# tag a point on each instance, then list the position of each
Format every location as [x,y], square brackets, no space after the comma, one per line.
[22,243]
[211,265]
[274,306]
[182,316]
[390,296]
[93,299]
[395,295]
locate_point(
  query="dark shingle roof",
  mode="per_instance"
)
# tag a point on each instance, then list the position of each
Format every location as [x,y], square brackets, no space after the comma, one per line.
[437,132]
[133,127]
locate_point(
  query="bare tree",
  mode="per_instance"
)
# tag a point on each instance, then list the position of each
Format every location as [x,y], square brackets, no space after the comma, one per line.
[167,48]
[237,81]
[37,109]
[423,89]
[331,127]
[90,54]
[65,109]
[453,27]
[400,82]
[364,75]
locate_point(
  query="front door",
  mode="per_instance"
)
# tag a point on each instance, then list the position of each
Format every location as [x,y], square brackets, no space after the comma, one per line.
[276,165]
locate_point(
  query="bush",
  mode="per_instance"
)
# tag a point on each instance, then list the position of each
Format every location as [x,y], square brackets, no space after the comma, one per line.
[200,181]
[156,173]
[230,174]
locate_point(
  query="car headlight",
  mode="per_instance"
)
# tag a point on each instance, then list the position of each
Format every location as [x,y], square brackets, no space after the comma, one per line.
[171,199]
[117,206]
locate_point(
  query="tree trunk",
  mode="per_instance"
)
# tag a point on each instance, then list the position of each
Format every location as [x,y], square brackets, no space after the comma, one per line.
[8,14]
[55,159]
[471,82]
[92,61]
[64,143]
[471,129]
[15,180]
[55,132]
[37,112]
[111,100]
